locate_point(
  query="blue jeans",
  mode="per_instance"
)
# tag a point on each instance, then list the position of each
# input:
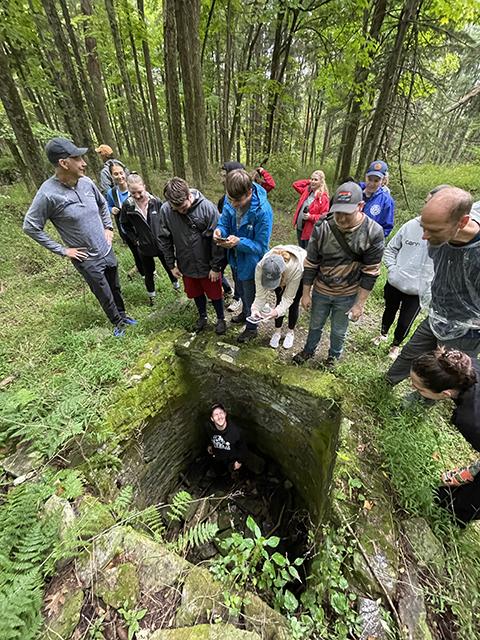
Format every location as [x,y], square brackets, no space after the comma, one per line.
[337,307]
[246,289]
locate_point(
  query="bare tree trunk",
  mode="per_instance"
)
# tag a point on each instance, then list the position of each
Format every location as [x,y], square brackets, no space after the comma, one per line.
[18,119]
[389,84]
[95,74]
[136,125]
[172,94]
[80,114]
[151,92]
[87,89]
[187,17]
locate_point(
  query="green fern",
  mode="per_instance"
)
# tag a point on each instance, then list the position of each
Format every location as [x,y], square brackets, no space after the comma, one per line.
[179,506]
[152,520]
[195,536]
[122,503]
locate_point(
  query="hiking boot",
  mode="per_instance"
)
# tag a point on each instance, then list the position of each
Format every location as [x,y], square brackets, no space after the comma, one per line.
[247,335]
[301,357]
[200,324]
[330,362]
[221,327]
[240,319]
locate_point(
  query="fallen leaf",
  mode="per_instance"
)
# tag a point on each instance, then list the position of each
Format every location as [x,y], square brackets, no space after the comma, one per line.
[436,455]
[368,505]
[55,602]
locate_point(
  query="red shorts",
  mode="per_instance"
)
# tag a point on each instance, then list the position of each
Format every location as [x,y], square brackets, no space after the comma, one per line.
[197,286]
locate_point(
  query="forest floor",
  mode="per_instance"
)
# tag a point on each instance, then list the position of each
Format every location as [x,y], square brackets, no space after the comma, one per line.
[59,365]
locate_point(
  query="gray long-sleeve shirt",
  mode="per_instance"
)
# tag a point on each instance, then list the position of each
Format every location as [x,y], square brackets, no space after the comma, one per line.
[80,215]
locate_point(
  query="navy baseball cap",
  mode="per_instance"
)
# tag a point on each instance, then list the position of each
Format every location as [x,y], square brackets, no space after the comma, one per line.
[347,198]
[58,148]
[377,168]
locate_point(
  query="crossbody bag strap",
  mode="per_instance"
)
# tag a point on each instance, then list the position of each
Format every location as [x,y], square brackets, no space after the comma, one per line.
[342,242]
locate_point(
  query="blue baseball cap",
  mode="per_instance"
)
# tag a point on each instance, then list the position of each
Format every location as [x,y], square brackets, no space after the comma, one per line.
[377,168]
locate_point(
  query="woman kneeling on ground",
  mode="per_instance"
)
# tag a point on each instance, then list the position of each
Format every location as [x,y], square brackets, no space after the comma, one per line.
[280,270]
[313,205]
[453,375]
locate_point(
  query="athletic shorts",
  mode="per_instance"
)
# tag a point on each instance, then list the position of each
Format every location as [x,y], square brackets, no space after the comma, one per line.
[195,287]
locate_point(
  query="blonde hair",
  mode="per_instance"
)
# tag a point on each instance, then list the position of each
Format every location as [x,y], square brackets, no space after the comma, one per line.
[323,186]
[286,255]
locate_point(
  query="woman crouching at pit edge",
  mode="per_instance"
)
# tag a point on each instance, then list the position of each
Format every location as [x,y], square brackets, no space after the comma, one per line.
[450,374]
[226,444]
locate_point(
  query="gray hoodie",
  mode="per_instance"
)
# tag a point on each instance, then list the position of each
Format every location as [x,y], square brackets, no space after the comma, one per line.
[410,270]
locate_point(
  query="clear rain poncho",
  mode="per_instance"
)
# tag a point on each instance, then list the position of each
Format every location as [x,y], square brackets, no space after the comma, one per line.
[453,300]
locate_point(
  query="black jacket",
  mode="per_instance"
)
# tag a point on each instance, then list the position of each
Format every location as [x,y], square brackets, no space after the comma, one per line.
[466,416]
[187,239]
[142,232]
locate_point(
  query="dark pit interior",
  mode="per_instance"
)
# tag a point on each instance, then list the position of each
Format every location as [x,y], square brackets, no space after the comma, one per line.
[291,428]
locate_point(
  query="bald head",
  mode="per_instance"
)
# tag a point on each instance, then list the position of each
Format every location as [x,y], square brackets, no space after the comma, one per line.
[445,214]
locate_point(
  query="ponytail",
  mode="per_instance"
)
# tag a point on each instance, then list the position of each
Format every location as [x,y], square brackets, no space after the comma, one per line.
[444,369]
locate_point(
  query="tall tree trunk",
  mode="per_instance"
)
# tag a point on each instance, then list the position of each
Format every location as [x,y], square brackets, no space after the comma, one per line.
[172,94]
[279,65]
[80,113]
[95,74]
[151,90]
[85,82]
[135,122]
[187,17]
[147,129]
[389,84]
[362,71]
[226,82]
[18,119]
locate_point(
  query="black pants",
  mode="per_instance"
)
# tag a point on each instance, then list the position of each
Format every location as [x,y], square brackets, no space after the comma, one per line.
[101,275]
[293,311]
[409,306]
[463,501]
[132,246]
[424,340]
[301,243]
[148,265]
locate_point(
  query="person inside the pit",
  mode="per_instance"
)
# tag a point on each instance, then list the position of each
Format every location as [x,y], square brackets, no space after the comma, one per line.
[226,444]
[449,374]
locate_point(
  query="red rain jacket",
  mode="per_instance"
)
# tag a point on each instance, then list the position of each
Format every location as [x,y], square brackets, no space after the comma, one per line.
[317,210]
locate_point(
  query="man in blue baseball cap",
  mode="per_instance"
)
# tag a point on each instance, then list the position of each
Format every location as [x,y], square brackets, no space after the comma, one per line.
[77,209]
[379,204]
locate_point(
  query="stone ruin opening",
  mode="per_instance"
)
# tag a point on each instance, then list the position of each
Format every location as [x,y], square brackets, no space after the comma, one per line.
[290,421]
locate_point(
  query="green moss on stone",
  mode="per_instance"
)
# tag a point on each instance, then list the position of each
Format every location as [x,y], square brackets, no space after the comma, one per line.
[63,625]
[119,585]
[205,632]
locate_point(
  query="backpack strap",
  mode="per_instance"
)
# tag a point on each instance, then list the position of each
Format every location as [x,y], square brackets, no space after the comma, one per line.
[340,238]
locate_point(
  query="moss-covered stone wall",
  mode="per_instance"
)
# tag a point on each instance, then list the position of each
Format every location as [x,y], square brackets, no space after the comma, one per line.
[289,413]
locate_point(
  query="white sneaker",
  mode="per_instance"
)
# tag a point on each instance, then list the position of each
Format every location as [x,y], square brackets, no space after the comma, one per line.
[288,340]
[379,339]
[394,353]
[275,340]
[235,306]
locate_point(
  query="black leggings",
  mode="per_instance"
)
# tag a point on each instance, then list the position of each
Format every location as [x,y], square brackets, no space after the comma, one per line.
[148,263]
[409,306]
[131,245]
[293,310]
[463,502]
